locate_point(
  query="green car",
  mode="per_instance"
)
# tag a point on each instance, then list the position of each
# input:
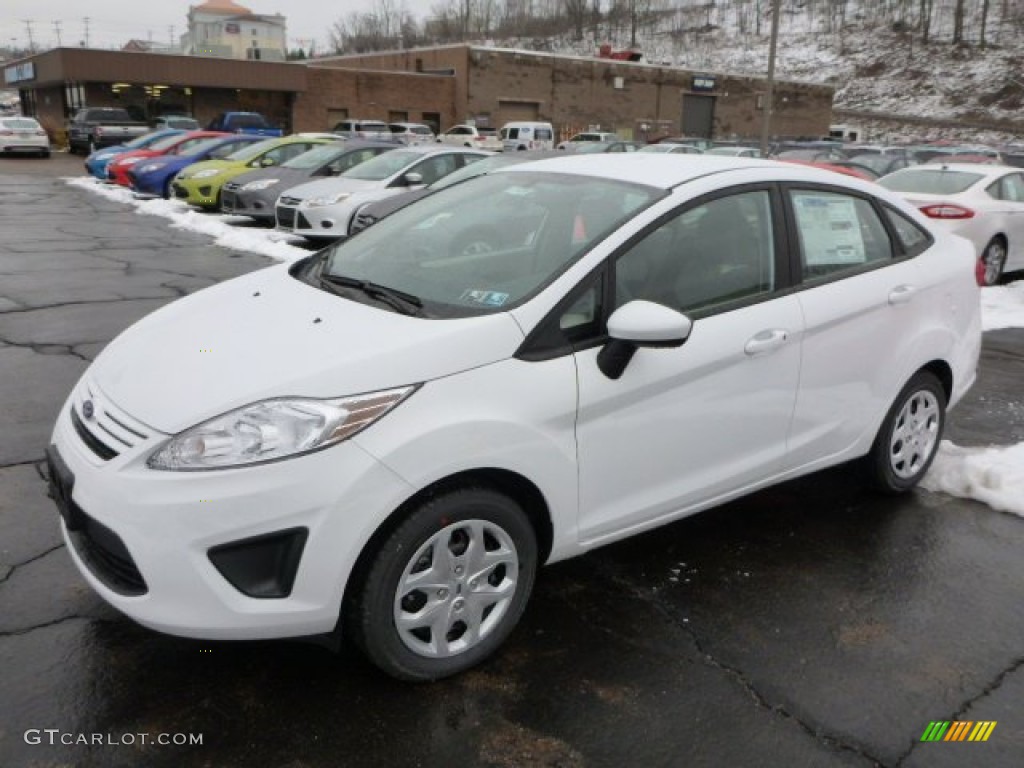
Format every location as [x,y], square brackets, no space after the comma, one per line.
[200,183]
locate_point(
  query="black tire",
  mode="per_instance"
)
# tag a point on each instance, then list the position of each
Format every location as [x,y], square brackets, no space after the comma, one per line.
[44,153]
[993,261]
[909,436]
[469,518]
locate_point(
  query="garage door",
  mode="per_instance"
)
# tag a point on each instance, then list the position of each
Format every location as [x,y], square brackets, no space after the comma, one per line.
[516,111]
[698,114]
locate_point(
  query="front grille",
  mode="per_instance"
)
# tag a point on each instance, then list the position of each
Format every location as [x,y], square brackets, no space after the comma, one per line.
[109,430]
[228,201]
[106,556]
[301,222]
[361,222]
[285,217]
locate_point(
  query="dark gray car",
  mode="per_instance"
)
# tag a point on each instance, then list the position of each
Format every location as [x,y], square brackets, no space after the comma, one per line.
[253,193]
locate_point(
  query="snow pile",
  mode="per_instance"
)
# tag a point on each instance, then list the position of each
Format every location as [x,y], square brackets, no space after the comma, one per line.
[994,476]
[1002,306]
[264,242]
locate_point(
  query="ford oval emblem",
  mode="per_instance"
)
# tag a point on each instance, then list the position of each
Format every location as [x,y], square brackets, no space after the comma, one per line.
[87,409]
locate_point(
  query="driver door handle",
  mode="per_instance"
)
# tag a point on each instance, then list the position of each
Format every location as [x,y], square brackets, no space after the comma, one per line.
[766,341]
[902,294]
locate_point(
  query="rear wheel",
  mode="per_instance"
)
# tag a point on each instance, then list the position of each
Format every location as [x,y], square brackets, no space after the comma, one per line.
[446,588]
[909,437]
[993,260]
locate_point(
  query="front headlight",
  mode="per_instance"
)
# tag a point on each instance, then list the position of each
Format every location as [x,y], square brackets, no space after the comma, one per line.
[252,186]
[128,161]
[149,168]
[316,202]
[205,174]
[273,429]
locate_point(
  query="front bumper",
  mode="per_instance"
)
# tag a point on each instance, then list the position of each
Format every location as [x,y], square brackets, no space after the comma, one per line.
[329,222]
[189,553]
[236,202]
[204,193]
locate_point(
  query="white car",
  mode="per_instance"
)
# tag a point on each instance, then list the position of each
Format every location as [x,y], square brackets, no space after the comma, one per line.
[411,133]
[23,136]
[391,435]
[984,203]
[471,136]
[587,136]
[323,209]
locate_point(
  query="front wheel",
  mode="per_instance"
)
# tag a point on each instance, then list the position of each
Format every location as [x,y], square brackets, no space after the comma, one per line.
[993,260]
[909,437]
[446,588]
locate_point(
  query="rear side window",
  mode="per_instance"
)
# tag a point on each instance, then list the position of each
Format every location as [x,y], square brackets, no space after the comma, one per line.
[837,232]
[542,134]
[911,236]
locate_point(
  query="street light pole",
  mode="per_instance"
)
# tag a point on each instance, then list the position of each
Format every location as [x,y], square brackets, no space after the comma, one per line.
[766,118]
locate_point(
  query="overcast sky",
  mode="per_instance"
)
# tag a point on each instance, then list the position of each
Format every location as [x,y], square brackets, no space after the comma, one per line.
[112,23]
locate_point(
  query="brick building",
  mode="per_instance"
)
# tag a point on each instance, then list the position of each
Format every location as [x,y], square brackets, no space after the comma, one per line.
[442,86]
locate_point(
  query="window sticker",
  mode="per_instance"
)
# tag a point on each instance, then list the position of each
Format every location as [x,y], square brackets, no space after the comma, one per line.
[830,230]
[485,298]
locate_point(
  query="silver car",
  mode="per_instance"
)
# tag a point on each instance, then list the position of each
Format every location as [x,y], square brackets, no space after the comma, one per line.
[322,209]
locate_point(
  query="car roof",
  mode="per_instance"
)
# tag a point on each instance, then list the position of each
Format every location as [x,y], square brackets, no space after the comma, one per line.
[657,169]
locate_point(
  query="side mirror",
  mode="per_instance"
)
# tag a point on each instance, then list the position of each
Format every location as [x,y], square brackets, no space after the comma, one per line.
[413,179]
[640,324]
[266,162]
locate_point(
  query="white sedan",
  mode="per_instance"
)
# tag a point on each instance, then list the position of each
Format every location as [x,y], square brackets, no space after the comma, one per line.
[323,209]
[23,136]
[391,436]
[984,203]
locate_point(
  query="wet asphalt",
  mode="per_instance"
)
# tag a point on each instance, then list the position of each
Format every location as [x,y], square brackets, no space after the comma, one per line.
[813,624]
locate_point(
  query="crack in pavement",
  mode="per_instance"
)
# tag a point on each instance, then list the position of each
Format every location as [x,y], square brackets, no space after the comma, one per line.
[52,350]
[44,625]
[818,734]
[15,566]
[1015,665]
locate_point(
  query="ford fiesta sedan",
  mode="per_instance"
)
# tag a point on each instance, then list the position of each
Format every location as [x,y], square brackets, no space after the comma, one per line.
[389,437]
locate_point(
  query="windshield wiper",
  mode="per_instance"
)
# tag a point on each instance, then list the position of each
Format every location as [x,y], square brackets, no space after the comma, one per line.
[400,301]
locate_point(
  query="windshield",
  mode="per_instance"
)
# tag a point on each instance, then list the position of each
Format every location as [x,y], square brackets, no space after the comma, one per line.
[201,147]
[145,140]
[487,244]
[383,166]
[166,142]
[937,182]
[252,151]
[316,157]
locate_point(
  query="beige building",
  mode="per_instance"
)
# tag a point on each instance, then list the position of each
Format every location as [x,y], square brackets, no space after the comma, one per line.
[227,30]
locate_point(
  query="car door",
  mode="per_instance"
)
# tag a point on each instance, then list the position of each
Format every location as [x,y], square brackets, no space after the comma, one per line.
[686,426]
[861,305]
[1009,190]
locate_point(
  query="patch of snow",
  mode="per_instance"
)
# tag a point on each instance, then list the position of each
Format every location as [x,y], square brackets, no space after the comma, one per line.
[1002,306]
[264,242]
[993,476]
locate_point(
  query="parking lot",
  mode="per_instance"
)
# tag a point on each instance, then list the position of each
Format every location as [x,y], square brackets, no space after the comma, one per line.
[813,624]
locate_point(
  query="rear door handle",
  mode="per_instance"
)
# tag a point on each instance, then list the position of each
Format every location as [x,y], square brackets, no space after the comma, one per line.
[902,294]
[766,341]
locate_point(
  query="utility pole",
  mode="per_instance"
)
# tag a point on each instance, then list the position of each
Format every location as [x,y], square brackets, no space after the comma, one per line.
[170,35]
[56,29]
[86,20]
[766,118]
[28,29]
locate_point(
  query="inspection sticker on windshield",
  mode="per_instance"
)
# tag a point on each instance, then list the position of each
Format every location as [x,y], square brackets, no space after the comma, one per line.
[487,298]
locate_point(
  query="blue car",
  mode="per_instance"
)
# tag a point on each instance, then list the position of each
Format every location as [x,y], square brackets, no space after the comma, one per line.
[96,163]
[153,175]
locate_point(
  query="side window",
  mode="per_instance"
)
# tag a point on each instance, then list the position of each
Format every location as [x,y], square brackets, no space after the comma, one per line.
[716,252]
[912,237]
[351,160]
[287,152]
[434,168]
[465,160]
[1013,188]
[837,232]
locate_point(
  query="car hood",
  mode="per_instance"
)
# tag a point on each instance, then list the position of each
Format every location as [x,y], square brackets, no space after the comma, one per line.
[332,186]
[291,175]
[220,165]
[267,335]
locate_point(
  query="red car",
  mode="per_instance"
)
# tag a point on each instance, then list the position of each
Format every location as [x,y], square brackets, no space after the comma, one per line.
[845,170]
[117,170]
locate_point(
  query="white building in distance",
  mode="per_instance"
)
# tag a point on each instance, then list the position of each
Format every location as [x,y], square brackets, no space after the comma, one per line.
[224,29]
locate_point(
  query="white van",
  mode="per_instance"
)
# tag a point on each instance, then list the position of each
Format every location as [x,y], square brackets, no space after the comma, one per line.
[522,136]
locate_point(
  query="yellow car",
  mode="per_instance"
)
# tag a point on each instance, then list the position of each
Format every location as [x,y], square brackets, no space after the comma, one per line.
[200,183]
